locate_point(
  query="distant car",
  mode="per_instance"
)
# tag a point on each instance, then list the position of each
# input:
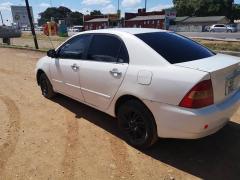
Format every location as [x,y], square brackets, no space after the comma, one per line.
[39,28]
[157,83]
[76,29]
[222,28]
[233,27]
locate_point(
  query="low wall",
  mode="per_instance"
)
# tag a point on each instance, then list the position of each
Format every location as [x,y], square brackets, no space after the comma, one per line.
[186,28]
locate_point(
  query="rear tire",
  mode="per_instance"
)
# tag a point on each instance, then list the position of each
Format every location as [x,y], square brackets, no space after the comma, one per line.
[137,124]
[46,86]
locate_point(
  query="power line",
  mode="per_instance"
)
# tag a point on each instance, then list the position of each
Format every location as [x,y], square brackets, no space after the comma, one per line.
[118,5]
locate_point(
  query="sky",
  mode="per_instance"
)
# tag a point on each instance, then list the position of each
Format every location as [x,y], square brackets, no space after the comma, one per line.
[85,6]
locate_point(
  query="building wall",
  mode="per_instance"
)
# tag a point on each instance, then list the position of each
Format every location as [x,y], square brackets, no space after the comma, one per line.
[158,24]
[223,21]
[95,25]
[186,28]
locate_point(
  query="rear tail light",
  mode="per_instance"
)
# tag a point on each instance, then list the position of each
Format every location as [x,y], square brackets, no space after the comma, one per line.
[201,95]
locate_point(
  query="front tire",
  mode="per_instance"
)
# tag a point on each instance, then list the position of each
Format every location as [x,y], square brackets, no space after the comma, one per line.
[46,86]
[137,124]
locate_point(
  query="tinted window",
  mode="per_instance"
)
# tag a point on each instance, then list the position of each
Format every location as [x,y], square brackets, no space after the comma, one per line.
[219,26]
[104,48]
[123,55]
[175,48]
[75,47]
[232,25]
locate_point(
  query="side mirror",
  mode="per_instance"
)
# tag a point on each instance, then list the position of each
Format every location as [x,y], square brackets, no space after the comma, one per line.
[52,53]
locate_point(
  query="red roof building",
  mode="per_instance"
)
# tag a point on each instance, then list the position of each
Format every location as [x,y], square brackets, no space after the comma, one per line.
[143,19]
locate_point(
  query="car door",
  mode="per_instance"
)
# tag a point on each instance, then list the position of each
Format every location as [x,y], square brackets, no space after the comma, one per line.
[103,71]
[217,28]
[222,28]
[65,69]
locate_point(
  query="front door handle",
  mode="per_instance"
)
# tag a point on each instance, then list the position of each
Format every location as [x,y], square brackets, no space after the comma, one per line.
[115,73]
[75,67]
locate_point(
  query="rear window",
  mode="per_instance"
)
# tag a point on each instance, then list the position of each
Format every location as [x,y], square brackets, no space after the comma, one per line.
[175,48]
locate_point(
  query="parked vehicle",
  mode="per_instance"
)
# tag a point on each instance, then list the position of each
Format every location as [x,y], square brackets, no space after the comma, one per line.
[38,28]
[76,29]
[233,27]
[223,28]
[157,83]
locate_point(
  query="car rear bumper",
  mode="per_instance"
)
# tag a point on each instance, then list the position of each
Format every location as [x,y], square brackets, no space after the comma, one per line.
[183,123]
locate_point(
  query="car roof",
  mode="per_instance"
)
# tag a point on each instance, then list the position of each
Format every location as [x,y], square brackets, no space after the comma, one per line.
[127,30]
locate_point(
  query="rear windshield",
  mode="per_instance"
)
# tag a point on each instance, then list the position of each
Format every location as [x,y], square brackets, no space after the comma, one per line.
[175,48]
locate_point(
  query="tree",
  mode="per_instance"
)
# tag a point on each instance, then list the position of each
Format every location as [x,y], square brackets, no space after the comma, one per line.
[76,18]
[236,11]
[61,13]
[204,7]
[95,13]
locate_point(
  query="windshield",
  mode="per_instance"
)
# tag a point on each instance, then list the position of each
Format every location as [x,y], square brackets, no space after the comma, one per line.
[175,48]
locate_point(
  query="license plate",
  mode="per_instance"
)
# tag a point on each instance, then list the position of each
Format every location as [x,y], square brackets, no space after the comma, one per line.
[232,83]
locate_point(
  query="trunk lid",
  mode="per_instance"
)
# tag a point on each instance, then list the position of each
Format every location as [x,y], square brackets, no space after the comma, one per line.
[224,71]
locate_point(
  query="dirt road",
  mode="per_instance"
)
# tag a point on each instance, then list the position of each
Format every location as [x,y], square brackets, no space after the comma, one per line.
[64,139]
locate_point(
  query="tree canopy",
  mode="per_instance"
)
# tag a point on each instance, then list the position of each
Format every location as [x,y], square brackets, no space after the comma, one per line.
[206,8]
[95,13]
[61,13]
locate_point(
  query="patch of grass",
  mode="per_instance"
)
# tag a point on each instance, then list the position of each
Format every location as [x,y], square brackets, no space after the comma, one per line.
[221,45]
[27,35]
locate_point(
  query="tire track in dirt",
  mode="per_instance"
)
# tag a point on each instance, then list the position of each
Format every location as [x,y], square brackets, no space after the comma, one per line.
[8,148]
[124,169]
[71,147]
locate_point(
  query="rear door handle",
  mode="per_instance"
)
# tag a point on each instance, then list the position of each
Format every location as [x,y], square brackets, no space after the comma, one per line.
[75,67]
[115,73]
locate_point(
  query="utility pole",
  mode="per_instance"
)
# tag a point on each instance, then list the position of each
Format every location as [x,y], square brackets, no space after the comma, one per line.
[146,5]
[51,3]
[118,5]
[31,24]
[1,17]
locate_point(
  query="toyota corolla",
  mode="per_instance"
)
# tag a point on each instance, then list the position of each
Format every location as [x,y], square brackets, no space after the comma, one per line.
[157,83]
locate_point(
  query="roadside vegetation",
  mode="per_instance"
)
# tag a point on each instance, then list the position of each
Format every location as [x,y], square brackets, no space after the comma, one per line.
[221,45]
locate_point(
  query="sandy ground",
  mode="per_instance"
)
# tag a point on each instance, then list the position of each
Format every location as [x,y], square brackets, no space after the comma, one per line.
[64,139]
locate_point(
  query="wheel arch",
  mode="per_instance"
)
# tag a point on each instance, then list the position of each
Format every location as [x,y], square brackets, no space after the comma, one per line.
[124,98]
[39,72]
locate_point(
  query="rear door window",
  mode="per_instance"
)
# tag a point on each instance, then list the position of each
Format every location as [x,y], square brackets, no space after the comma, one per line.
[104,48]
[175,48]
[123,55]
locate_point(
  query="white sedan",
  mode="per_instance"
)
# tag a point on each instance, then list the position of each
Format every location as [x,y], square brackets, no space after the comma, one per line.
[157,83]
